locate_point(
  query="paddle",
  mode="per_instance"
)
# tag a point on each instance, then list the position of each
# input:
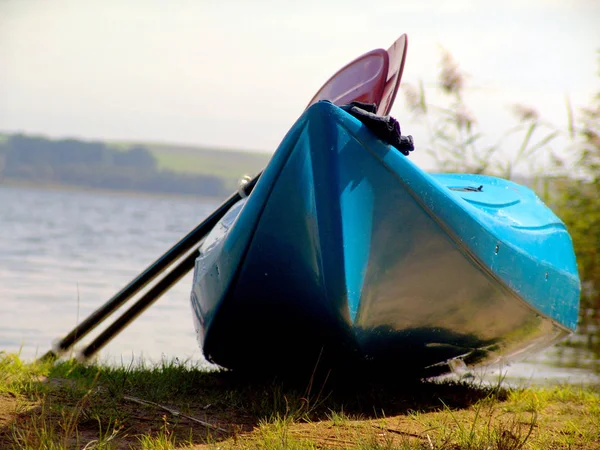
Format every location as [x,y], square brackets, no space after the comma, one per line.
[361,80]
[345,86]
[141,305]
[397,57]
[149,274]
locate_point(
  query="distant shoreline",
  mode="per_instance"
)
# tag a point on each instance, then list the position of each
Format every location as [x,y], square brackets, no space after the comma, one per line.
[150,168]
[18,183]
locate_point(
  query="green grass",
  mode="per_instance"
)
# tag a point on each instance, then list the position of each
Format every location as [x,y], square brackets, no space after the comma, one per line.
[202,160]
[176,405]
[231,165]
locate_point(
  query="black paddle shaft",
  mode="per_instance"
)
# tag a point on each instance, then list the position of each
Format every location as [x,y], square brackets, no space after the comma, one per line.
[140,306]
[151,272]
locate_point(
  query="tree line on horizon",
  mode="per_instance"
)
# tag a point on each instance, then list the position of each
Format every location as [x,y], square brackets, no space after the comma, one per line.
[74,162]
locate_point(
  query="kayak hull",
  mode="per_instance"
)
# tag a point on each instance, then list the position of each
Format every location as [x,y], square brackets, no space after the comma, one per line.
[347,252]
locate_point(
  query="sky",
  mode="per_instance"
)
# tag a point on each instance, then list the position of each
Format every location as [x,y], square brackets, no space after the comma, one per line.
[237,74]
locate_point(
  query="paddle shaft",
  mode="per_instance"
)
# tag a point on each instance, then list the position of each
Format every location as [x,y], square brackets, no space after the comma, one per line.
[140,306]
[151,272]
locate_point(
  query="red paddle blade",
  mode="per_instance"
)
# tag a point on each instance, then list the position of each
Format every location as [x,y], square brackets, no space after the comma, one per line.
[397,56]
[363,80]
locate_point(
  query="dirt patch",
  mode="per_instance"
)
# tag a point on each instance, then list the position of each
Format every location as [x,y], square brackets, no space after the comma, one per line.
[8,408]
[11,406]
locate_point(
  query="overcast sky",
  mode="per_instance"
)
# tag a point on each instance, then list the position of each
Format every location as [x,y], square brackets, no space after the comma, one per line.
[238,73]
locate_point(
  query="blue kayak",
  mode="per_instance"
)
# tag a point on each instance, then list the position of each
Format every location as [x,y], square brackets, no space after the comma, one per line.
[346,251]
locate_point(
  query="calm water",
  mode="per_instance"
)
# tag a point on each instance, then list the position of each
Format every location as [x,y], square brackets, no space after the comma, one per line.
[63,253]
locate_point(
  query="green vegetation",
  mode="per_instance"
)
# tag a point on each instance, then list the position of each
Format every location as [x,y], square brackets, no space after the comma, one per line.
[69,405]
[229,165]
[456,143]
[579,207]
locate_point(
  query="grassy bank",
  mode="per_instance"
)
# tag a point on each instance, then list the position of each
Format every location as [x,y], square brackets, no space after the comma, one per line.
[68,405]
[228,164]
[224,163]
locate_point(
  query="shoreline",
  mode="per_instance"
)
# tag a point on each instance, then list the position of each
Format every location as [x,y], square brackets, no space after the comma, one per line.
[16,183]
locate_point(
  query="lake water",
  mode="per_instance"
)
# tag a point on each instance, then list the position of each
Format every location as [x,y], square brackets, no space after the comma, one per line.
[63,253]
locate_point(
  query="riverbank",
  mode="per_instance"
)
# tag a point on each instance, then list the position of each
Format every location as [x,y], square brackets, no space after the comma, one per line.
[25,184]
[173,405]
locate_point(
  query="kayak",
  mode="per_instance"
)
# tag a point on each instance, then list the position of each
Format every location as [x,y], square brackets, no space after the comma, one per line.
[347,252]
